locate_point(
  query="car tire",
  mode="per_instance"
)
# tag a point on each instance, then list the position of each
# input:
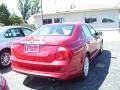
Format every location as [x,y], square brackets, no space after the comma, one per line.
[85,69]
[101,49]
[4,58]
[52,79]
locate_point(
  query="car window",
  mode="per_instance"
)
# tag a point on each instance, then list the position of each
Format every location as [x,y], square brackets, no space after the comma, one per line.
[26,31]
[67,29]
[55,29]
[86,31]
[8,34]
[14,32]
[92,29]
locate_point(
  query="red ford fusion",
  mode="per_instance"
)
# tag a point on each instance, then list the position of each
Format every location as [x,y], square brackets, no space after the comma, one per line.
[62,51]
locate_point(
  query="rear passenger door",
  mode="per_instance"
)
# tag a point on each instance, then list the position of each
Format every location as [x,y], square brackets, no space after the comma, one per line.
[90,40]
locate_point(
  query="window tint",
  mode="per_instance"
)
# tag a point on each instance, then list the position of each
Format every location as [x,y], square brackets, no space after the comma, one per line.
[14,32]
[26,31]
[83,34]
[8,34]
[86,31]
[92,29]
[58,29]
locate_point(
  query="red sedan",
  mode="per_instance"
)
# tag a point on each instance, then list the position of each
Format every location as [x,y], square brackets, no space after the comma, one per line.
[61,51]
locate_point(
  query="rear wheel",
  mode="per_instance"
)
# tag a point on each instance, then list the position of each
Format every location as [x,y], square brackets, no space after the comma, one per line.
[101,49]
[85,70]
[4,58]
[52,79]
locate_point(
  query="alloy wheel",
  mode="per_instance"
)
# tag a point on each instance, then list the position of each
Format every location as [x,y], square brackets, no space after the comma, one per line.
[5,58]
[86,66]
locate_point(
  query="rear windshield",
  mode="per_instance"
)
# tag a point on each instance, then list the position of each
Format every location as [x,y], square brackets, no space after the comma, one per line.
[55,29]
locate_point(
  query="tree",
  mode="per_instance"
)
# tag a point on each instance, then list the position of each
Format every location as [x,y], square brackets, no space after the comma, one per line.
[28,8]
[15,20]
[4,14]
[35,7]
[7,19]
[24,6]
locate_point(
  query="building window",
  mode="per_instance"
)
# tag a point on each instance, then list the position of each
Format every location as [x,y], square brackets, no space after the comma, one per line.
[107,20]
[47,21]
[58,20]
[91,20]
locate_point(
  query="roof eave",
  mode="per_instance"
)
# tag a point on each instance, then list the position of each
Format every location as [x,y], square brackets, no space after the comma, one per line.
[76,11]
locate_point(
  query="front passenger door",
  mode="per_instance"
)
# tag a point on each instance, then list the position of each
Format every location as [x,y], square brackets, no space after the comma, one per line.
[97,37]
[90,40]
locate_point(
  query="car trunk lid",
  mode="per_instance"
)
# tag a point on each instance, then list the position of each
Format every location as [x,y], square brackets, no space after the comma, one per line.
[41,49]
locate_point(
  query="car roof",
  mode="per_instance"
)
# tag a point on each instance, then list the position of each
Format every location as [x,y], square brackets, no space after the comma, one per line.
[8,27]
[5,28]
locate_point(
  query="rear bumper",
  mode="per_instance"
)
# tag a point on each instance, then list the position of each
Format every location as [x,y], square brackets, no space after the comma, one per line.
[62,76]
[56,69]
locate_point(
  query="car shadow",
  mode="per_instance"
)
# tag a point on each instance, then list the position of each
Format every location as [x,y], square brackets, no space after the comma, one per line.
[5,70]
[98,71]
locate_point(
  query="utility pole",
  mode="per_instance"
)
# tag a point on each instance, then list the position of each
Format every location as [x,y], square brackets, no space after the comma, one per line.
[41,13]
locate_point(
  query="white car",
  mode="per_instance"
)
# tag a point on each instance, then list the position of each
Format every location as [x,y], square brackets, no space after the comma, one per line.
[7,35]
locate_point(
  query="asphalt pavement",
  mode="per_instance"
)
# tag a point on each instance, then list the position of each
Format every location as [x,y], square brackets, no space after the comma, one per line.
[104,72]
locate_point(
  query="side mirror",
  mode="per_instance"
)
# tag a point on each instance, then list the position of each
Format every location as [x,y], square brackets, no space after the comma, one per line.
[98,33]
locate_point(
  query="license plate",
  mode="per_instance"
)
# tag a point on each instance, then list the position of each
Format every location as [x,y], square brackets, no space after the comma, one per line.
[32,48]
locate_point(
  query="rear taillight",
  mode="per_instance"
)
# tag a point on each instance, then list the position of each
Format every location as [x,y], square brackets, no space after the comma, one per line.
[48,48]
[63,54]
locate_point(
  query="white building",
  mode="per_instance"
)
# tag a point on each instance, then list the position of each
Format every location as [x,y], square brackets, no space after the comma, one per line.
[100,15]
